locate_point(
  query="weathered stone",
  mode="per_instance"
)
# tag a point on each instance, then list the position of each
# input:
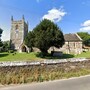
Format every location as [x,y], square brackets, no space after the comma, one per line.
[45,62]
[57,54]
[19,30]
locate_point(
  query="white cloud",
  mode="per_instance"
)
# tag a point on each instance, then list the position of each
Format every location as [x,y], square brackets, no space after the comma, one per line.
[85,26]
[55,14]
[5,36]
[86,23]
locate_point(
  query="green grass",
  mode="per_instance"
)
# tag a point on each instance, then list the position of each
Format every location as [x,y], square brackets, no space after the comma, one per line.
[65,56]
[36,56]
[18,56]
[83,54]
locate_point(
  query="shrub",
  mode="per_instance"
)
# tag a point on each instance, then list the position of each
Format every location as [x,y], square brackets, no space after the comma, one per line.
[11,51]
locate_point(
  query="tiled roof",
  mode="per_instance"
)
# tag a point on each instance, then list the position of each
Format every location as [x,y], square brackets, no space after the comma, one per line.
[72,37]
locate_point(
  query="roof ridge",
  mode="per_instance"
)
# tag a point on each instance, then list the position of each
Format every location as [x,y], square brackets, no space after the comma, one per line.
[72,37]
[78,36]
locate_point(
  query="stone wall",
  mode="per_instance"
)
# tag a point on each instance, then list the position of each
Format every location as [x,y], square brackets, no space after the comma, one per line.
[69,48]
[46,62]
[19,30]
[26,72]
[72,48]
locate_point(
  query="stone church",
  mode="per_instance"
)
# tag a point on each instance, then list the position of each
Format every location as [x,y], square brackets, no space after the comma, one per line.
[19,30]
[73,45]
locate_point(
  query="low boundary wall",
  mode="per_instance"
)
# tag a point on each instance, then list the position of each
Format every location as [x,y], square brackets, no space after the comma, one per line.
[51,61]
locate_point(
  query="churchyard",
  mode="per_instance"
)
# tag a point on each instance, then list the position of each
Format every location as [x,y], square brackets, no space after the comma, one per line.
[24,66]
[32,67]
[5,56]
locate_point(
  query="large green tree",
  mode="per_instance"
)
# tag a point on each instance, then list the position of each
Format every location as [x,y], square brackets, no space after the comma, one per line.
[86,37]
[45,35]
[6,45]
[29,39]
[0,37]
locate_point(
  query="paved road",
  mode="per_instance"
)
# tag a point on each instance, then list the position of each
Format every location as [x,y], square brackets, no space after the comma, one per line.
[82,83]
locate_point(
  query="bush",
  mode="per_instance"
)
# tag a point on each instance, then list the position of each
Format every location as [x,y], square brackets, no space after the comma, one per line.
[11,51]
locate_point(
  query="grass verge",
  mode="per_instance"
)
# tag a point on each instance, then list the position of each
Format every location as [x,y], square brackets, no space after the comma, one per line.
[37,56]
[19,75]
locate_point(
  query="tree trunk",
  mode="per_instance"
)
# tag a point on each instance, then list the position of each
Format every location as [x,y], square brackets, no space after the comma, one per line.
[44,52]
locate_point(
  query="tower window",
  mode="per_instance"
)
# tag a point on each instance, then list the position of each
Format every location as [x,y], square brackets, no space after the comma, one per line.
[16,27]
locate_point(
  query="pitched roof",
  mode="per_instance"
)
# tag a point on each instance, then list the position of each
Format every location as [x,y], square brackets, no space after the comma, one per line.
[72,37]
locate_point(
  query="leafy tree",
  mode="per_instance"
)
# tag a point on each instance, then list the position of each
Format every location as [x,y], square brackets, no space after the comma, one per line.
[1,44]
[86,37]
[6,45]
[29,39]
[0,37]
[46,34]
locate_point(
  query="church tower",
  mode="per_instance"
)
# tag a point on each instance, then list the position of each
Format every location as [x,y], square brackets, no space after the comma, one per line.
[19,30]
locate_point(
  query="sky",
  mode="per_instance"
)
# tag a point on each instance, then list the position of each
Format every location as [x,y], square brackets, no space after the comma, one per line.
[71,16]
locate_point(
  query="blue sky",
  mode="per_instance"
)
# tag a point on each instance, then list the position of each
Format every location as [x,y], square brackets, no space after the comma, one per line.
[70,15]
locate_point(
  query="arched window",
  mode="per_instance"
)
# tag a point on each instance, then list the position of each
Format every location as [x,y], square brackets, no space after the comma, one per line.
[16,31]
[16,27]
